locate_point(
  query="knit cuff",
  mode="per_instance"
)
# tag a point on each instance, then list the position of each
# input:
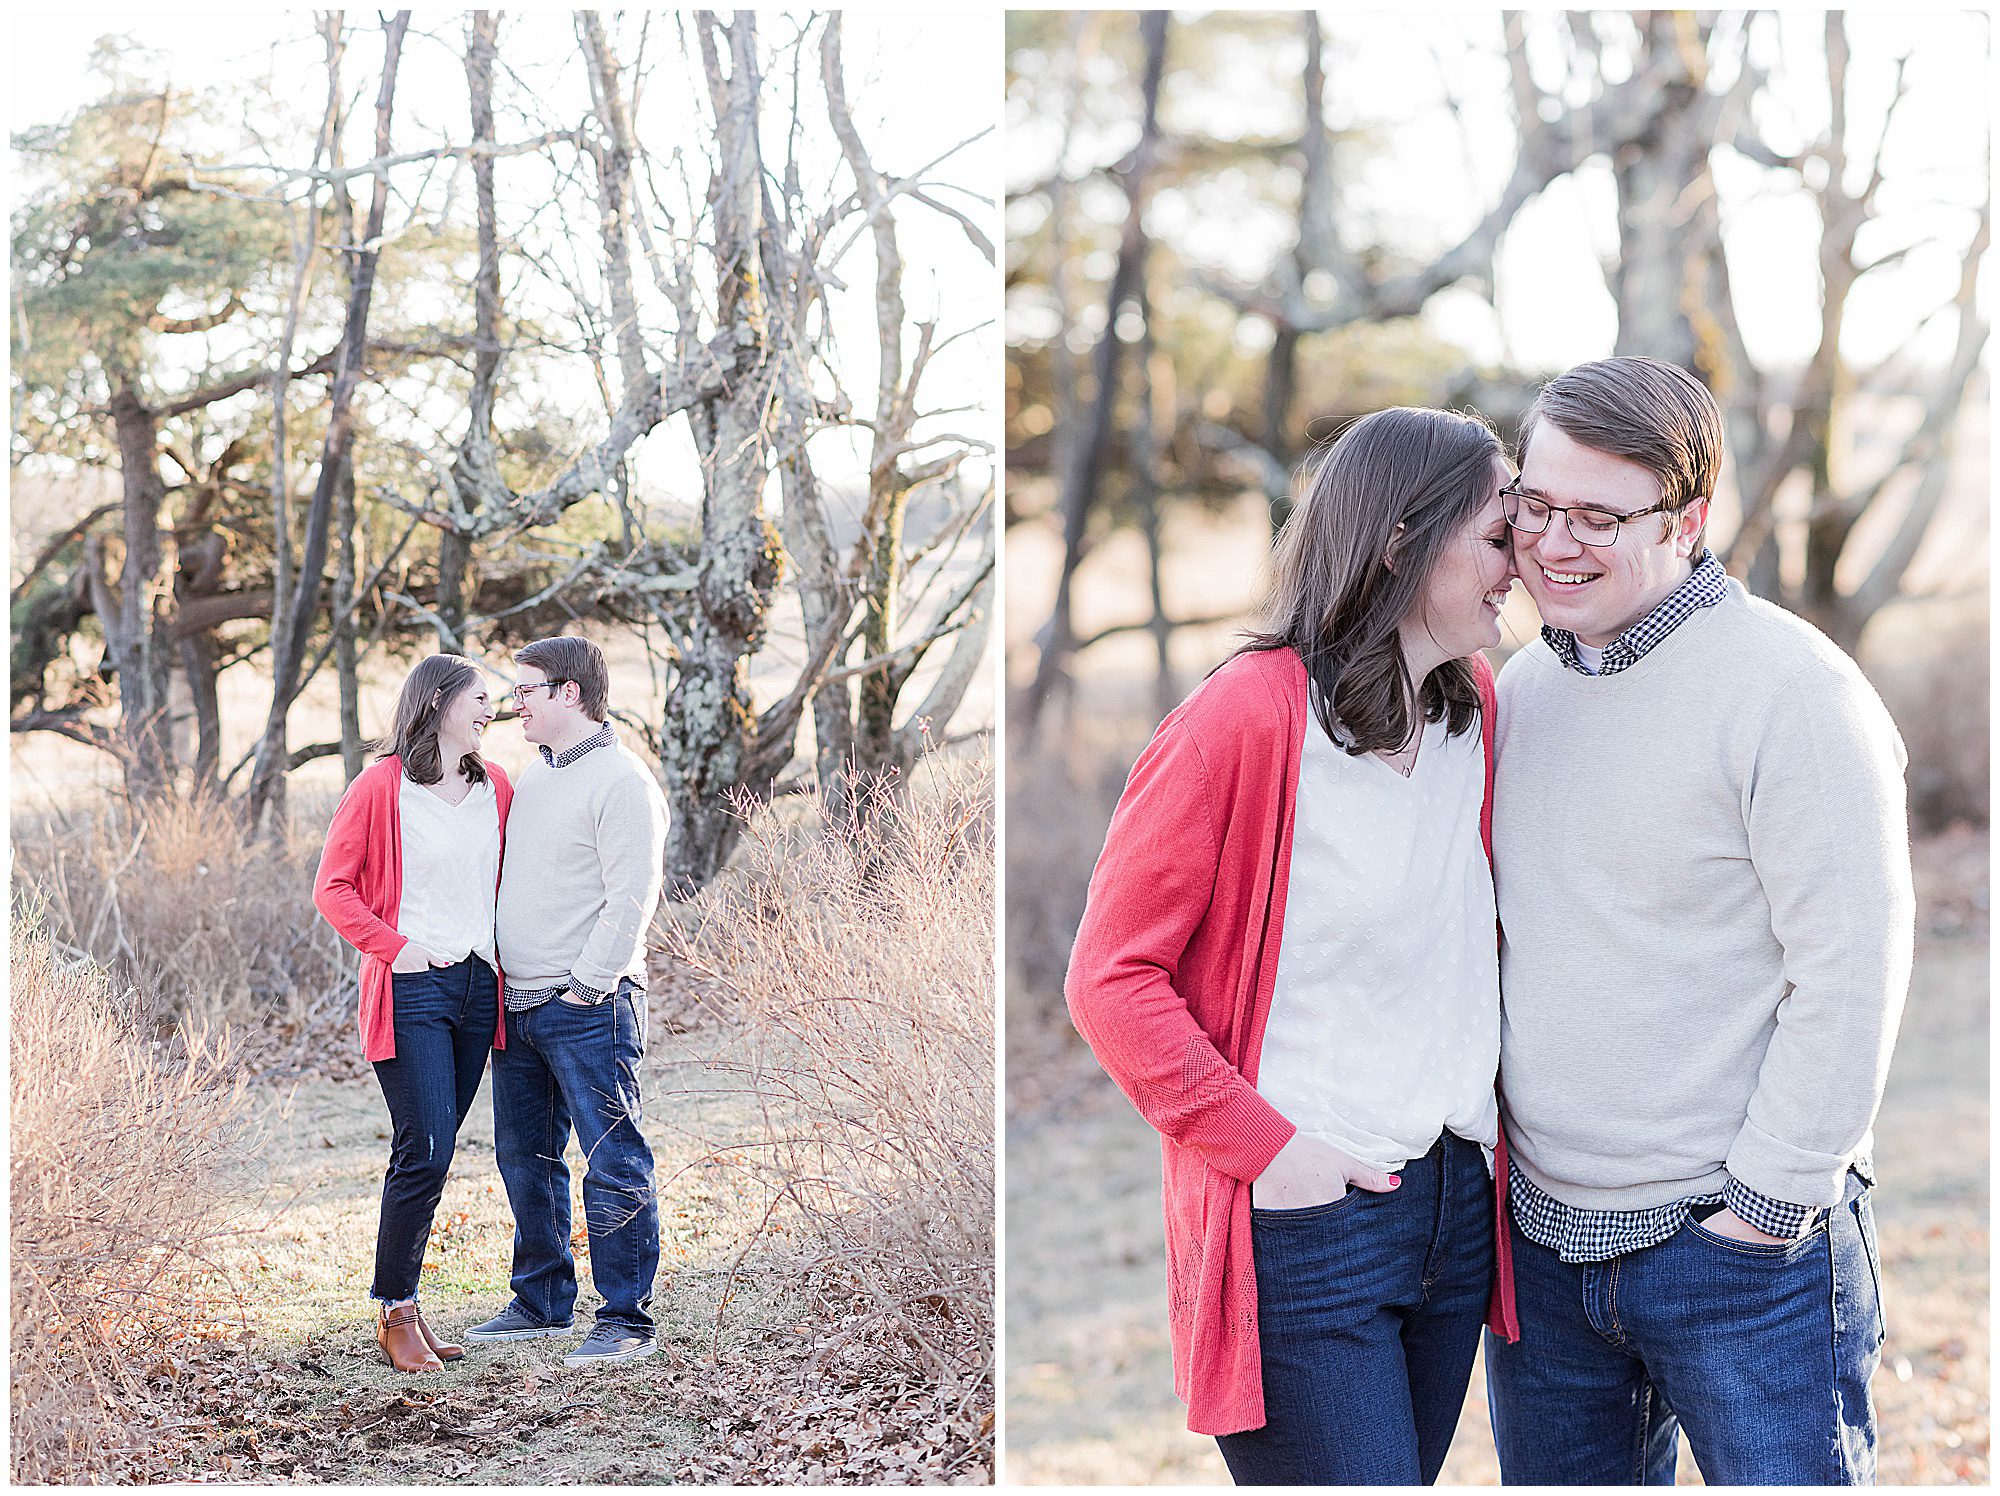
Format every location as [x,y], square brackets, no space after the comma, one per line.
[1242,1134]
[1784,1171]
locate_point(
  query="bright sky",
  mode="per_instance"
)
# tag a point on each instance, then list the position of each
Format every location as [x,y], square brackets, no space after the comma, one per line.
[918,85]
[1428,177]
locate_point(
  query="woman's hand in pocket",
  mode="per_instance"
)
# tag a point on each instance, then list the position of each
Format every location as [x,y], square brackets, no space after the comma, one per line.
[1307,1172]
[413,957]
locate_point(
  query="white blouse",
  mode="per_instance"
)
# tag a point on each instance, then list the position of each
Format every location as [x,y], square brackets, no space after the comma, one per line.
[451,870]
[1385,1026]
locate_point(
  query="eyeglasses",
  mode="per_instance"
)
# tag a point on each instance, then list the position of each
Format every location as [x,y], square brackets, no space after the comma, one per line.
[521,693]
[1588,525]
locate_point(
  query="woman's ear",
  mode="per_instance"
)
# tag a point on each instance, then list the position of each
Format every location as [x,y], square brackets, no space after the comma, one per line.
[1395,540]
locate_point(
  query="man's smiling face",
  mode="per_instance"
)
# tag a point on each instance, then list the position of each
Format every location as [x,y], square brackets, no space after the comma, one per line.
[1597,592]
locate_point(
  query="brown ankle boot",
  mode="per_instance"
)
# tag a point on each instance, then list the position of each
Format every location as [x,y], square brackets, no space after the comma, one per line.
[444,1350]
[401,1337]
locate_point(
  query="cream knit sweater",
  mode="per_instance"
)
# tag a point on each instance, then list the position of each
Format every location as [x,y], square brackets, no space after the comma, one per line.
[585,844]
[1703,876]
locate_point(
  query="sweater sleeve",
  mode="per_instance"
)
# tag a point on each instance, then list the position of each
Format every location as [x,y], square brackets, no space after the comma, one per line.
[631,831]
[1148,896]
[335,891]
[1830,843]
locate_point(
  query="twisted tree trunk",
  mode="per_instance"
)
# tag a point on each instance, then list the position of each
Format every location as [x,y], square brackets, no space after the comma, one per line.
[138,614]
[708,728]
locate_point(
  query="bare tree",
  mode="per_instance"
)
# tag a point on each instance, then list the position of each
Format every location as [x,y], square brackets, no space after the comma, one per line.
[292,615]
[1088,457]
[717,316]
[896,473]
[1783,427]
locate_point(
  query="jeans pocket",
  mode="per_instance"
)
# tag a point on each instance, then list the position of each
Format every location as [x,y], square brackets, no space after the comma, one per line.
[1778,1251]
[1864,1218]
[1276,1215]
[409,984]
[630,1005]
[628,1044]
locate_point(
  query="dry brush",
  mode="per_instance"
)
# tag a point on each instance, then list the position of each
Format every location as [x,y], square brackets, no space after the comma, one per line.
[122,1153]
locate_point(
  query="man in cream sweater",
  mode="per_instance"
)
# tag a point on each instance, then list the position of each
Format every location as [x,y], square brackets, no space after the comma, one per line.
[578,888]
[1703,879]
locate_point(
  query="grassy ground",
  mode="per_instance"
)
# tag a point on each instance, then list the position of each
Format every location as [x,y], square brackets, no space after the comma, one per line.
[1089,1389]
[330,1409]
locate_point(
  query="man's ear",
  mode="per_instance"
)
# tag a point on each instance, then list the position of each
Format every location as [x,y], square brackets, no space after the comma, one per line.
[1688,521]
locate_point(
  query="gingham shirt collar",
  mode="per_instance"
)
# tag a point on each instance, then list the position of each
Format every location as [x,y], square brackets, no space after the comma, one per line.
[600,739]
[1705,586]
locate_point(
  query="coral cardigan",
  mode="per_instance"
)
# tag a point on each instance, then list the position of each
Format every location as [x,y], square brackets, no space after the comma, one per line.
[1170,982]
[360,890]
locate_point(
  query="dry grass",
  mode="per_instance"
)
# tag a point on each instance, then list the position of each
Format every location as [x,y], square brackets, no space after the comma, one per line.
[858,961]
[121,1152]
[171,903]
[824,1147]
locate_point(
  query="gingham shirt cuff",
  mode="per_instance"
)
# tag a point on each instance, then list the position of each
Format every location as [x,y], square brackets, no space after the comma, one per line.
[1780,1218]
[588,994]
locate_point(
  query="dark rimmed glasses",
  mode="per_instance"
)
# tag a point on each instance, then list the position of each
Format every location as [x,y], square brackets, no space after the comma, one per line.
[1588,525]
[521,693]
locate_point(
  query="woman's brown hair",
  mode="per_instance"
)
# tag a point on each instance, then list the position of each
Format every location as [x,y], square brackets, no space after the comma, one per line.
[427,695]
[1339,602]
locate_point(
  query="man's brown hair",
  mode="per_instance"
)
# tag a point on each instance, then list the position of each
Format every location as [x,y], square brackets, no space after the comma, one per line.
[566,657]
[1644,410]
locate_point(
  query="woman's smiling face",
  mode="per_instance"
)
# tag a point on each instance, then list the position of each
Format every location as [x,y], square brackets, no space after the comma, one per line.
[464,720]
[1459,607]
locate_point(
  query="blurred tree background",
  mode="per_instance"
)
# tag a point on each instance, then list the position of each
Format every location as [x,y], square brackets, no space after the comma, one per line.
[1231,233]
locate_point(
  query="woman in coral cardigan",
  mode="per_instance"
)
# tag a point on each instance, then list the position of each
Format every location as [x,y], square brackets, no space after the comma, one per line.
[1288,962]
[409,878]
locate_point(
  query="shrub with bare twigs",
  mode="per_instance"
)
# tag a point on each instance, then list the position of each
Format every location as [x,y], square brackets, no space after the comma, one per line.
[170,901]
[122,1148]
[859,958]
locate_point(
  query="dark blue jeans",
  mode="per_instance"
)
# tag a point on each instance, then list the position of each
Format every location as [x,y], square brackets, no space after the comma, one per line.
[1368,1315]
[1761,1353]
[571,1067]
[444,1028]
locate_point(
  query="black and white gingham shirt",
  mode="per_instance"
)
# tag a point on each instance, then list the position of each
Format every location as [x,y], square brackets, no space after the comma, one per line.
[1578,1235]
[600,739]
[1705,586]
[520,999]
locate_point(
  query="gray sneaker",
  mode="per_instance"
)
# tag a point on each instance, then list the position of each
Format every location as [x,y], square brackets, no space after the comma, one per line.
[609,1344]
[511,1324]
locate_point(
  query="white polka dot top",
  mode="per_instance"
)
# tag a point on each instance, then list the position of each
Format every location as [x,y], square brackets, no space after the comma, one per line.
[1385,1025]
